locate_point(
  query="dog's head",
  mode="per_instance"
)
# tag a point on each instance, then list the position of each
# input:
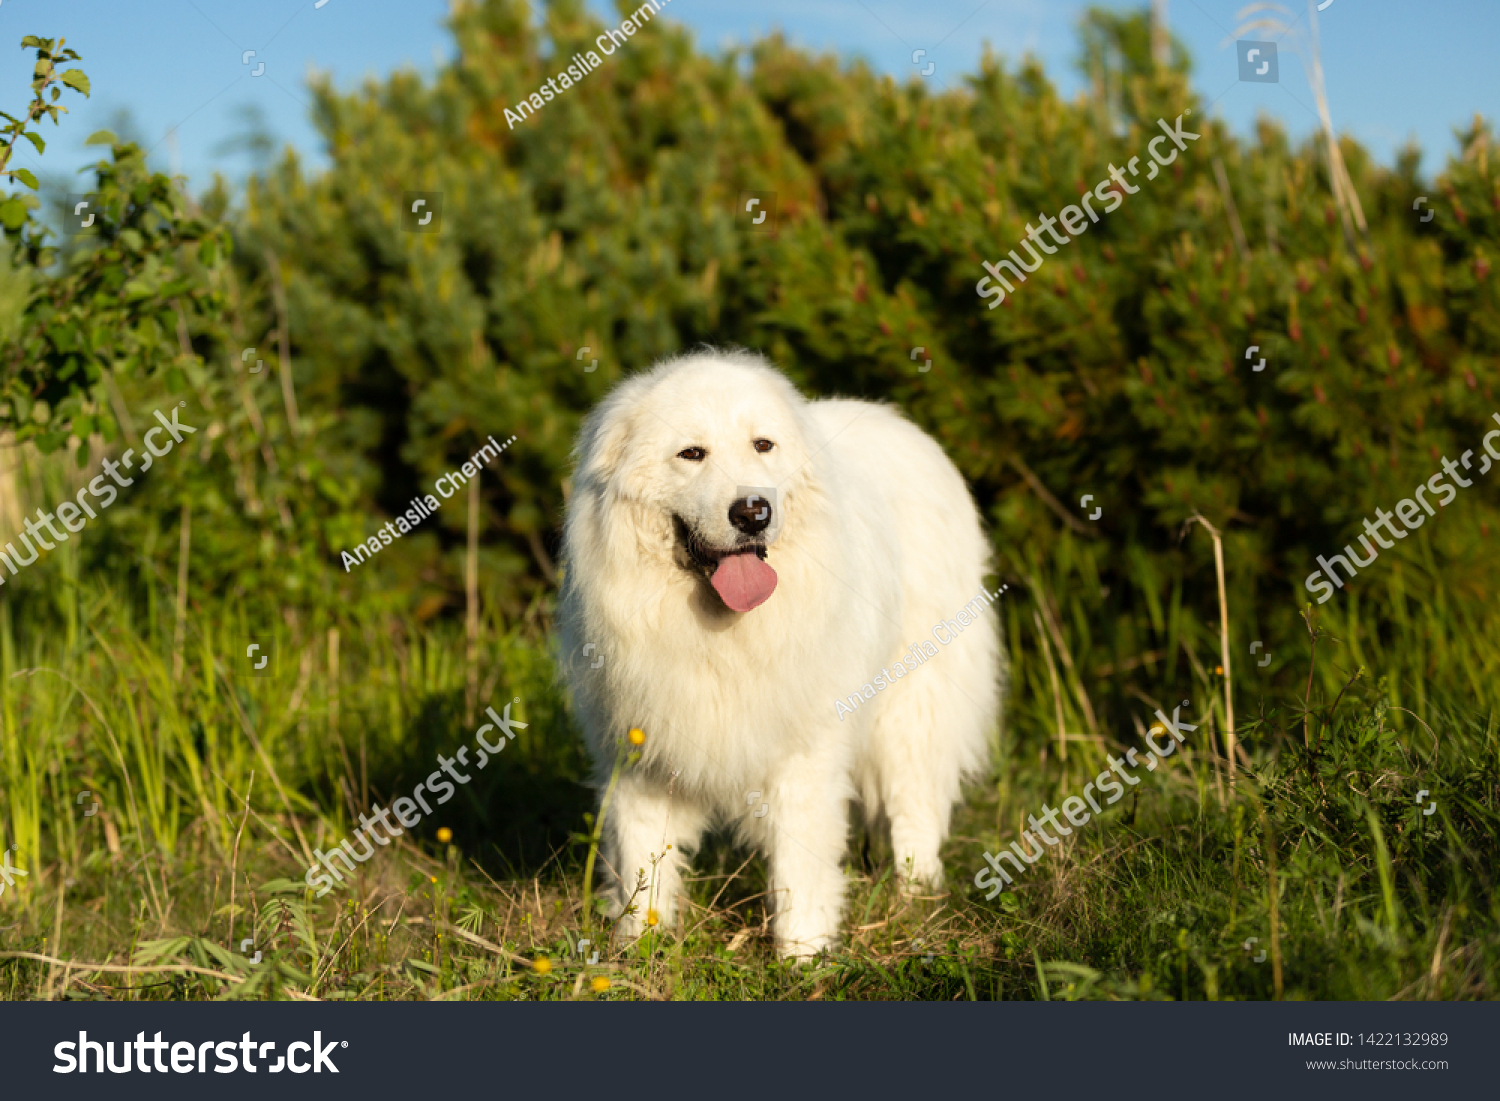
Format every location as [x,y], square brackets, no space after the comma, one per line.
[710,452]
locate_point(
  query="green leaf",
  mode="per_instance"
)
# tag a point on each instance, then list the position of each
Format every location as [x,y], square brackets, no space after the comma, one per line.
[52,440]
[154,951]
[220,955]
[207,252]
[36,140]
[101,137]
[25,176]
[12,214]
[283,887]
[64,337]
[75,79]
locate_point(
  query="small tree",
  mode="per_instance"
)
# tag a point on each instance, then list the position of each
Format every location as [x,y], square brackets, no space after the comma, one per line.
[115,304]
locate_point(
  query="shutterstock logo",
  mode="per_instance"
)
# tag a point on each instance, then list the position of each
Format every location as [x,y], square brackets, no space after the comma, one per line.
[7,872]
[189,1058]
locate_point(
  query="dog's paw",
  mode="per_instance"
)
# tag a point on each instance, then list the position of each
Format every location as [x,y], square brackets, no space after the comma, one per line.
[921,886]
[806,952]
[803,937]
[920,877]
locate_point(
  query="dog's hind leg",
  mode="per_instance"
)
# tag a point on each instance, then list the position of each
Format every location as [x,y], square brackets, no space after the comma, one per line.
[921,750]
[919,807]
[646,832]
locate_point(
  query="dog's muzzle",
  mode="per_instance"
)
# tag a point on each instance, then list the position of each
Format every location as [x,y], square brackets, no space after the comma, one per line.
[739,574]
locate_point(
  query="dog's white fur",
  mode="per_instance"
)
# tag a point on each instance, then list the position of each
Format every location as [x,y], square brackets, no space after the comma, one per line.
[879,540]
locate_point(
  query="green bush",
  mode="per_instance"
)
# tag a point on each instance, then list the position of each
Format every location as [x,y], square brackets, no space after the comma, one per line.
[609,223]
[1118,369]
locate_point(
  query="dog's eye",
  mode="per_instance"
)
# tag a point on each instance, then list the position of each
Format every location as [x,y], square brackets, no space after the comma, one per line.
[692,454]
[763,446]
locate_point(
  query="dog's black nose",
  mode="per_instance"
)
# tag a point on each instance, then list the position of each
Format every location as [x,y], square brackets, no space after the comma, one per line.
[751,515]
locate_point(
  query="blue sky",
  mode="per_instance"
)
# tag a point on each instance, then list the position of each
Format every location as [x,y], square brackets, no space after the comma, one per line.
[1395,70]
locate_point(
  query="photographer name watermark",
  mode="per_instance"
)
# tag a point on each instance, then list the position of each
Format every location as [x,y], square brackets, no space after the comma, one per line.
[581,65]
[919,653]
[424,506]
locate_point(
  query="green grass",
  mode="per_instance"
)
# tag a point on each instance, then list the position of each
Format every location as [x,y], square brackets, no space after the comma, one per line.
[213,784]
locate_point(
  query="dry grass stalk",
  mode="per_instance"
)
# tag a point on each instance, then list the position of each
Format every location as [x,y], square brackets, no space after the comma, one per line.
[1062,736]
[1223,643]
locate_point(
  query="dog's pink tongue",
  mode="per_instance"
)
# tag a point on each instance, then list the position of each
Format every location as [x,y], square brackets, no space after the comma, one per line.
[743,581]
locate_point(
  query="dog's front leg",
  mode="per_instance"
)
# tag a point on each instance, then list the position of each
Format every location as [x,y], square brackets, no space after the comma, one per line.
[646,831]
[805,838]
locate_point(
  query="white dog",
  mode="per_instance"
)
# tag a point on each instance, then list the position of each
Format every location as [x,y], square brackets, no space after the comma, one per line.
[743,567]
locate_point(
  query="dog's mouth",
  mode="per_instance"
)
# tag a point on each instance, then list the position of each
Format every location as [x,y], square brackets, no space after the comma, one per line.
[739,574]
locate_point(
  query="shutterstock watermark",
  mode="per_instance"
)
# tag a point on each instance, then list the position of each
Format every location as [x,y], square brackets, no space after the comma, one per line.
[75,517]
[8,872]
[189,1058]
[1407,512]
[1072,217]
[406,808]
[986,879]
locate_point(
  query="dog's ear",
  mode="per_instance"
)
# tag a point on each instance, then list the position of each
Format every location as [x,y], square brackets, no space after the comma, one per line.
[601,445]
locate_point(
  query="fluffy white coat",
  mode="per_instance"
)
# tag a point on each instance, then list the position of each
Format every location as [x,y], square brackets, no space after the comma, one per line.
[875,540]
